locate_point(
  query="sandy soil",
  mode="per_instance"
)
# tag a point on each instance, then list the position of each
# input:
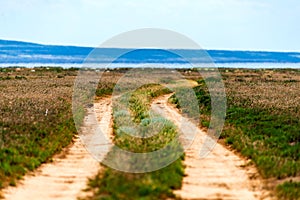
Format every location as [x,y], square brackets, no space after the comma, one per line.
[220,175]
[67,175]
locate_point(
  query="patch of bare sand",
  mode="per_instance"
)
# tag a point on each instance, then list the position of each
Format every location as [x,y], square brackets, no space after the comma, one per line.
[67,175]
[221,174]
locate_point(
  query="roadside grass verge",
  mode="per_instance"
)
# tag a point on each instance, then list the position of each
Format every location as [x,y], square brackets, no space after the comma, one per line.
[262,122]
[131,116]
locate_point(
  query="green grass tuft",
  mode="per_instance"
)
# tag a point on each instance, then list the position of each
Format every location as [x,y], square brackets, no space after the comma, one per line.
[288,191]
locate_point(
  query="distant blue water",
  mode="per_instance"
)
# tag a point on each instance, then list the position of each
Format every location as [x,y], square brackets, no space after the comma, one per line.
[14,53]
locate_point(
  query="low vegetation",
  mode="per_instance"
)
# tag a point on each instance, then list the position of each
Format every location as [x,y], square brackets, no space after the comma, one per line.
[263,114]
[36,119]
[262,123]
[288,190]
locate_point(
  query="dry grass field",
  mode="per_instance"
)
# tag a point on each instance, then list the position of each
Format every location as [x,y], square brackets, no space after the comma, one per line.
[262,123]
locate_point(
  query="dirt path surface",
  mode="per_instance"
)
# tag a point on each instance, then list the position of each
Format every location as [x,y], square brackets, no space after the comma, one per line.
[220,175]
[67,175]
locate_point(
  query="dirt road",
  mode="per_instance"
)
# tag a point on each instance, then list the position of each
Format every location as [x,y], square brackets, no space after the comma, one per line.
[220,175]
[67,175]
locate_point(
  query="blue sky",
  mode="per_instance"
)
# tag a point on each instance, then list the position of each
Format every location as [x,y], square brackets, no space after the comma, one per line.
[213,24]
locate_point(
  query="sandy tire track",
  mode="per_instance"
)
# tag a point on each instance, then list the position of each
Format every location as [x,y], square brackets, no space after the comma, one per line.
[220,175]
[67,175]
